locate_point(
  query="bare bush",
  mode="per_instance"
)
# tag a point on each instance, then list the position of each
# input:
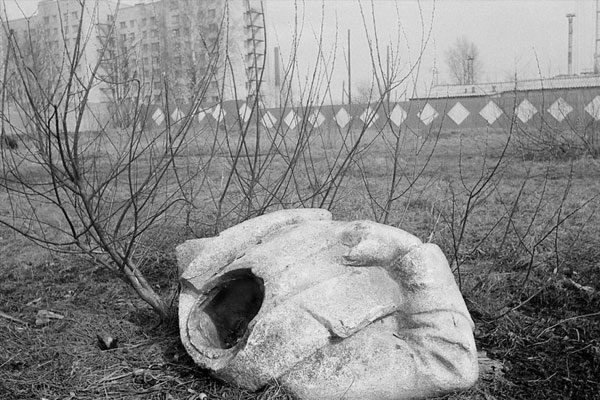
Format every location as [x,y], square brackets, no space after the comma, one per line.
[96,192]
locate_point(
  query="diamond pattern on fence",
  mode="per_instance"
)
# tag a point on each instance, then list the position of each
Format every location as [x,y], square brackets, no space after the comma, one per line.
[526,111]
[491,112]
[369,116]
[268,120]
[398,115]
[594,108]
[458,113]
[201,115]
[158,116]
[316,119]
[245,112]
[428,114]
[291,119]
[342,117]
[177,115]
[218,112]
[560,109]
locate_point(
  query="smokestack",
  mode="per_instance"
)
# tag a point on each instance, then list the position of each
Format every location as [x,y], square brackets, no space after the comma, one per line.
[570,56]
[276,67]
[597,41]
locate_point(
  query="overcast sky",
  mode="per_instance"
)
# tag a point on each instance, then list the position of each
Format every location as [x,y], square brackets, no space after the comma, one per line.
[529,36]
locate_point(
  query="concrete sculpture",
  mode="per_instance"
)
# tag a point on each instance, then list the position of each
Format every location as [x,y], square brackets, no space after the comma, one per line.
[329,309]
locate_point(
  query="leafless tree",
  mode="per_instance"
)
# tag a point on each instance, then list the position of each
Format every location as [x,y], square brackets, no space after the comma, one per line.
[75,184]
[464,62]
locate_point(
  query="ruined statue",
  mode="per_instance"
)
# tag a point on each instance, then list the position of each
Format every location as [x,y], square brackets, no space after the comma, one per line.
[328,309]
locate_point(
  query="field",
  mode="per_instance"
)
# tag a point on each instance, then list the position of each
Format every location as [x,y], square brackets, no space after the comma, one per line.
[520,229]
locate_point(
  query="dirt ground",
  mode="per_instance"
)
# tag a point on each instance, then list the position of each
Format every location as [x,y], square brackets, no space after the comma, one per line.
[540,320]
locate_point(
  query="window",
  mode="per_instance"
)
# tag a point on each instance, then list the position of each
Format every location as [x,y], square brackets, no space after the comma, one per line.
[155,33]
[145,48]
[154,60]
[75,28]
[157,85]
[66,17]
[131,23]
[46,20]
[212,13]
[74,14]
[55,31]
[178,60]
[123,37]
[66,29]
[55,18]
[145,61]
[144,35]
[176,32]
[153,20]
[123,24]
[154,46]
[144,20]
[132,36]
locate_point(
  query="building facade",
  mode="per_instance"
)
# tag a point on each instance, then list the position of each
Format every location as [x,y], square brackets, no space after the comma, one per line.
[59,40]
[180,50]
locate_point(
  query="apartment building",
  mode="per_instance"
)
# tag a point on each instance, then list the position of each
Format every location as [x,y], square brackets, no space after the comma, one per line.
[186,46]
[152,49]
[45,43]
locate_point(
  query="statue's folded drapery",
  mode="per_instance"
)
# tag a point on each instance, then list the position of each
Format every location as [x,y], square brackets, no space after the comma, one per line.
[328,309]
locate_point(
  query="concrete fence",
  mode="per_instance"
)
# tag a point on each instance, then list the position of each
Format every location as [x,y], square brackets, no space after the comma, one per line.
[560,109]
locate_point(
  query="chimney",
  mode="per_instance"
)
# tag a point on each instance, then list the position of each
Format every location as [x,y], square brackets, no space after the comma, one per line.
[597,41]
[570,55]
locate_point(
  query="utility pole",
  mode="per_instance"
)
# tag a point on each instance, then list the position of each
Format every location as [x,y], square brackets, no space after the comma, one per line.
[388,78]
[349,71]
[470,73]
[276,67]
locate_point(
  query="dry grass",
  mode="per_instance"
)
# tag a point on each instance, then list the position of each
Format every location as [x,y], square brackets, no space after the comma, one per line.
[62,360]
[545,329]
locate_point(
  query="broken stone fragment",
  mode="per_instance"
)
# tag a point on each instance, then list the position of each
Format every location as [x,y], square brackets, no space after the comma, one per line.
[44,317]
[329,309]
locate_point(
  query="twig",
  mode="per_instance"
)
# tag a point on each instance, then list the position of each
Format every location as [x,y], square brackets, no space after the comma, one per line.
[566,320]
[13,319]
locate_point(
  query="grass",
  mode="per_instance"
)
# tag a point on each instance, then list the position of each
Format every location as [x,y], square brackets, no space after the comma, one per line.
[535,315]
